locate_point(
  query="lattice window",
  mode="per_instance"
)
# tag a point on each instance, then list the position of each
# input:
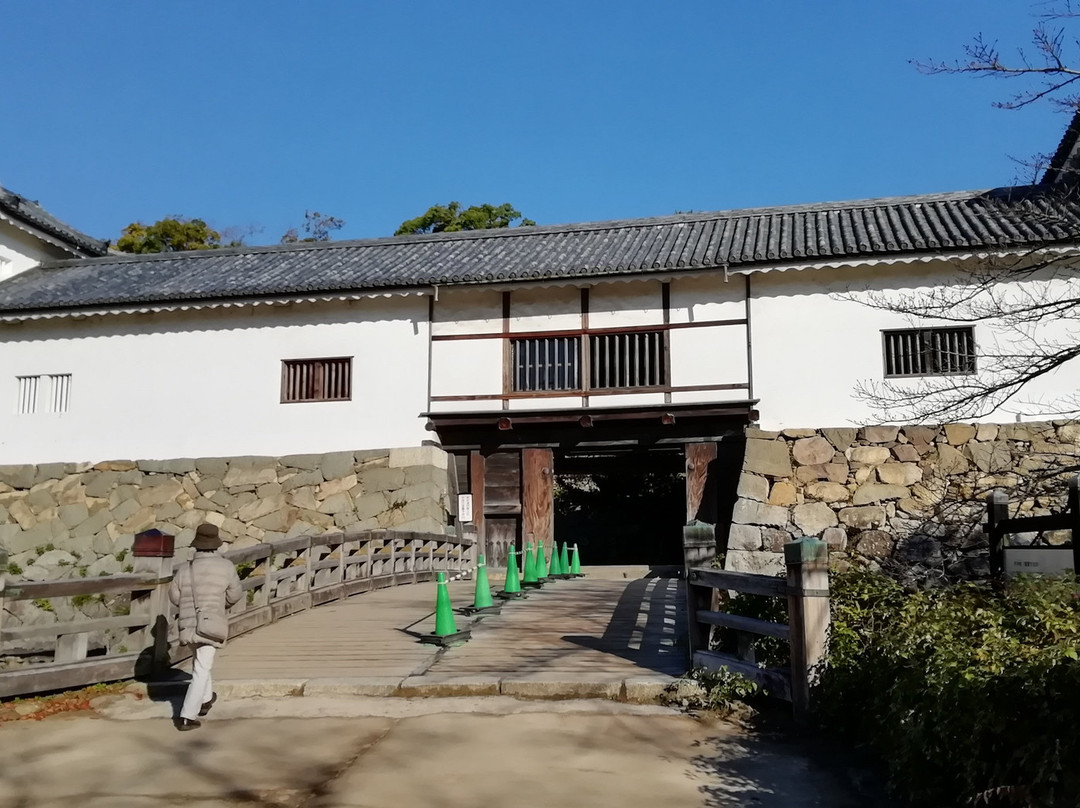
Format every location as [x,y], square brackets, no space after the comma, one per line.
[55,386]
[634,359]
[546,363]
[930,352]
[316,379]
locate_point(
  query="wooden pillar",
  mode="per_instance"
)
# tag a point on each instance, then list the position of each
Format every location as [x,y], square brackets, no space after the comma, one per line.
[476,486]
[700,506]
[153,555]
[1074,517]
[807,562]
[997,511]
[699,549]
[538,497]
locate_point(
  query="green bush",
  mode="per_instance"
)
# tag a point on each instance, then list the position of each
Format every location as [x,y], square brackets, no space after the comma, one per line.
[14,569]
[969,694]
[719,691]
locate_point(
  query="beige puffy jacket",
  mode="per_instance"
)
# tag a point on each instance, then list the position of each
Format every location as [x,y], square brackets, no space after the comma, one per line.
[217,586]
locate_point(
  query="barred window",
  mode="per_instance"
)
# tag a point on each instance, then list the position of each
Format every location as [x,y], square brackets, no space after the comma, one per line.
[55,386]
[316,379]
[546,363]
[634,359]
[929,352]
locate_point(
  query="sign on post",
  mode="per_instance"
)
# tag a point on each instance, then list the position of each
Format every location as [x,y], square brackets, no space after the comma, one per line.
[1038,560]
[464,507]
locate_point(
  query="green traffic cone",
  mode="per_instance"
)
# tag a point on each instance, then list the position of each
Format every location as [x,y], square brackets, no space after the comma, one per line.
[541,562]
[554,568]
[482,597]
[512,587]
[530,566]
[444,615]
[575,563]
[564,560]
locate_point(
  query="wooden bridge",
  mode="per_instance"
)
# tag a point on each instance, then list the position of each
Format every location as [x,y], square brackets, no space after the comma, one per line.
[619,638]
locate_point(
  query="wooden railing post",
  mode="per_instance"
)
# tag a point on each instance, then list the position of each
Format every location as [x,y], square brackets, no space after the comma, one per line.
[3,584]
[997,511]
[807,562]
[1074,518]
[153,553]
[699,549]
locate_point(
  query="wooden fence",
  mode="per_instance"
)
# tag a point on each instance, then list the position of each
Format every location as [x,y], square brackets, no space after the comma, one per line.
[279,579]
[806,589]
[999,526]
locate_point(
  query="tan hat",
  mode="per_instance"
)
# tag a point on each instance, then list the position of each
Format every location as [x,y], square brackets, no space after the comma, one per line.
[206,537]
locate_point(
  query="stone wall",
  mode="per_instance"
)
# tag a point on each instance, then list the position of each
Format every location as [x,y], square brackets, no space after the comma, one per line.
[909,497]
[66,520]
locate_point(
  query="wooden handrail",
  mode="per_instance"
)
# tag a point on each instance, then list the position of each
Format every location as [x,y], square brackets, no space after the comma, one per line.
[293,575]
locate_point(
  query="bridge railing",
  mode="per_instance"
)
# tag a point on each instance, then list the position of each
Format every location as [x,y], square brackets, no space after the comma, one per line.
[278,579]
[806,589]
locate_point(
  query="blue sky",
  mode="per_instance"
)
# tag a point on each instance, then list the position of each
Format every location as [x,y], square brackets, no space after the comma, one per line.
[248,113]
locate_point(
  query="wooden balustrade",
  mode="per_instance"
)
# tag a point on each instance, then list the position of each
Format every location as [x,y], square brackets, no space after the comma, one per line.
[806,589]
[278,579]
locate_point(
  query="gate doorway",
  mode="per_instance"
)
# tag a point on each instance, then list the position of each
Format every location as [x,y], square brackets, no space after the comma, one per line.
[622,508]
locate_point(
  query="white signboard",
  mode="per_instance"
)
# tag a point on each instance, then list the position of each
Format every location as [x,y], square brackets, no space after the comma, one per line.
[1044,562]
[464,507]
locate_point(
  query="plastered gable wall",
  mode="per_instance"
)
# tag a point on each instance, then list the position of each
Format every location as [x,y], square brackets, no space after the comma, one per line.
[208,383]
[814,341]
[20,251]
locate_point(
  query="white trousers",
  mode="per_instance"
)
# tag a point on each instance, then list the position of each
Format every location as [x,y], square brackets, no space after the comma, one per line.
[200,689]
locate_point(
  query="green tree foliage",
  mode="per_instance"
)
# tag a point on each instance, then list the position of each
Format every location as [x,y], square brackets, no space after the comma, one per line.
[171,234]
[451,218]
[317,227]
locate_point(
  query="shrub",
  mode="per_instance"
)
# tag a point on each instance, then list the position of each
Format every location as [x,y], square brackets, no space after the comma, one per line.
[966,692]
[14,569]
[720,690]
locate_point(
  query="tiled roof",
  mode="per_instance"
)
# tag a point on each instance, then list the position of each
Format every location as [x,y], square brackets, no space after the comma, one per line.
[29,212]
[739,240]
[1065,164]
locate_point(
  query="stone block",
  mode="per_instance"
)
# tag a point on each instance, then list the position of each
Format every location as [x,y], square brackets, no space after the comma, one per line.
[863,518]
[906,453]
[115,465]
[986,432]
[39,501]
[134,478]
[21,476]
[828,492]
[761,434]
[358,686]
[21,513]
[250,471]
[142,519]
[753,487]
[423,508]
[567,686]
[835,538]
[106,565]
[302,480]
[307,462]
[180,465]
[417,475]
[749,512]
[744,537]
[870,455]
[258,508]
[841,438]
[798,433]
[813,517]
[950,461]
[211,467]
[812,451]
[879,434]
[959,434]
[877,492]
[162,490]
[335,486]
[761,562]
[921,434]
[808,474]
[782,494]
[49,471]
[73,515]
[874,544]
[773,539]
[646,689]
[767,457]
[370,505]
[899,473]
[379,479]
[277,521]
[303,498]
[336,504]
[337,464]
[990,457]
[268,490]
[418,456]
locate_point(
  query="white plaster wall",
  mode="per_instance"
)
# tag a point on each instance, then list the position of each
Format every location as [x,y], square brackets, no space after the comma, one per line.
[20,251]
[552,309]
[467,311]
[208,383]
[612,305]
[467,367]
[708,355]
[811,347]
[708,297]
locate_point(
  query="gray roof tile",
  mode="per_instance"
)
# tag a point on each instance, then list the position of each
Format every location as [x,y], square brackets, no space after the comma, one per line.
[739,239]
[29,212]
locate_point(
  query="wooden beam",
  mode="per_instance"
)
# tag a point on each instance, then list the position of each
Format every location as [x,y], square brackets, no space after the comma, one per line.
[749,582]
[476,485]
[577,332]
[698,458]
[749,624]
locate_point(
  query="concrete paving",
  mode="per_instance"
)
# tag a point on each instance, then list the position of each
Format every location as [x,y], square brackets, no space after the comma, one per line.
[396,752]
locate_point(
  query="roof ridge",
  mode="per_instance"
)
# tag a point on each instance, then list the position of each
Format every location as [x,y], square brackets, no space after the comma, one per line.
[539,230]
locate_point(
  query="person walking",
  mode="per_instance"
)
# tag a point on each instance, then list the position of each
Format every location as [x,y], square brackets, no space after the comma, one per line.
[203,588]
